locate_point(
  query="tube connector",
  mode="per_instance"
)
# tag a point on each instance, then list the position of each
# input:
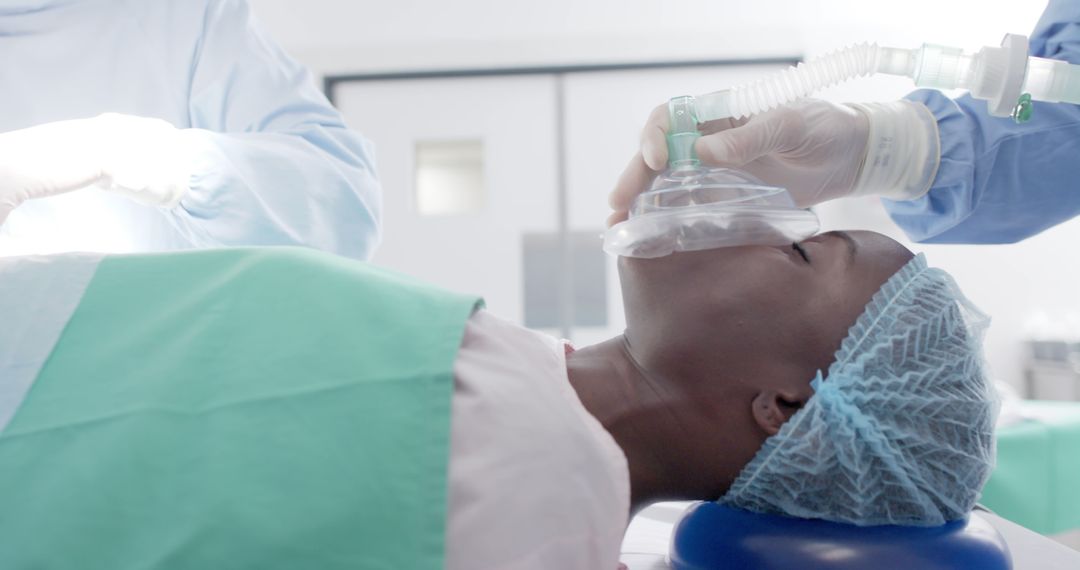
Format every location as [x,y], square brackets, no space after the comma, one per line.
[682,133]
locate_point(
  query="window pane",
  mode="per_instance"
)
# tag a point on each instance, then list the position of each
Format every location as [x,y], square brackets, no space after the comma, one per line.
[545,267]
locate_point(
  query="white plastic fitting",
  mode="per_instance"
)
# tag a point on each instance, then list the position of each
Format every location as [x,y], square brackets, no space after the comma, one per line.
[998,75]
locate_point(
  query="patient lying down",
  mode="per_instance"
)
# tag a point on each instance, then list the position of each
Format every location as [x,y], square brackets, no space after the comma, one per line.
[839,379]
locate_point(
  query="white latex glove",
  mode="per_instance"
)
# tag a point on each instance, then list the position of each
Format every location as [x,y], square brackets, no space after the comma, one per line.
[817,150]
[147,160]
[144,159]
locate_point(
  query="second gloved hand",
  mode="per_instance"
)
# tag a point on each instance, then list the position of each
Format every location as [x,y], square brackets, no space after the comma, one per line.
[144,159]
[147,160]
[817,150]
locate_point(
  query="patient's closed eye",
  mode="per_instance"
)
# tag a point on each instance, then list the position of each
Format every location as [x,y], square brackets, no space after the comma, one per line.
[801,251]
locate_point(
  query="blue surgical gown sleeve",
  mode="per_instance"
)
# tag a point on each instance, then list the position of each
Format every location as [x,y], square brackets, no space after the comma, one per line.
[274,163]
[1000,182]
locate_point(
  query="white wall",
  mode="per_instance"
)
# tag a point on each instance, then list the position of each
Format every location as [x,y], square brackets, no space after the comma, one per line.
[1010,282]
[352,35]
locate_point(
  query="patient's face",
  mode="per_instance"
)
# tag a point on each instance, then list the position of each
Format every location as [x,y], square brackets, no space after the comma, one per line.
[720,324]
[766,301]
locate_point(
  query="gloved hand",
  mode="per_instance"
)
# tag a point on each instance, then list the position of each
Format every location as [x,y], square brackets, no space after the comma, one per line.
[144,159]
[817,150]
[147,160]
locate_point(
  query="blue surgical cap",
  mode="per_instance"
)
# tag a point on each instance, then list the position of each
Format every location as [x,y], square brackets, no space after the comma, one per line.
[901,430]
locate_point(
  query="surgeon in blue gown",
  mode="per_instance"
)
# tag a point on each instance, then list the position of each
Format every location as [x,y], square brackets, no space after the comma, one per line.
[161,124]
[949,172]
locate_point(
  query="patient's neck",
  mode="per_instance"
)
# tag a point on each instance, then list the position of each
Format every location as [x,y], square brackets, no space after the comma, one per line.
[627,403]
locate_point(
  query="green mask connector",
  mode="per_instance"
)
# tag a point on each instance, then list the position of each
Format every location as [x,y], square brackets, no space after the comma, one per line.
[682,133]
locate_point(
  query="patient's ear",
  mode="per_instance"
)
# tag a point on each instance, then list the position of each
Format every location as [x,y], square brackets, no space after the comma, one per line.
[771,408]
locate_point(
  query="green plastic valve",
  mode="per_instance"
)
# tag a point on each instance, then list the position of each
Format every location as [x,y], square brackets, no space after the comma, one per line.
[682,133]
[1022,112]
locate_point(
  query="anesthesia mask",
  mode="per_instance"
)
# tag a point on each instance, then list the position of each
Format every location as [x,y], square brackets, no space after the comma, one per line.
[691,207]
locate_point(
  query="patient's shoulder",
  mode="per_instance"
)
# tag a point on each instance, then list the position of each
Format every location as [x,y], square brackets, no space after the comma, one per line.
[533,477]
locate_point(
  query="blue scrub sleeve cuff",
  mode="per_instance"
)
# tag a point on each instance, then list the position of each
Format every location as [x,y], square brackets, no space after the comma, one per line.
[200,202]
[280,188]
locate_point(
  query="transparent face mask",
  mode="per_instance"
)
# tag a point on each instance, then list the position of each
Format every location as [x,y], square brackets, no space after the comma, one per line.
[690,207]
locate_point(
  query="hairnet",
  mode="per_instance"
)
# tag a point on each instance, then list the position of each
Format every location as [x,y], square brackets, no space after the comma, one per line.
[901,431]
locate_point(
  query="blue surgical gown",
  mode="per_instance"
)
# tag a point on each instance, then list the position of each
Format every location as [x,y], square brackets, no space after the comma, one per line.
[276,164]
[1000,182]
